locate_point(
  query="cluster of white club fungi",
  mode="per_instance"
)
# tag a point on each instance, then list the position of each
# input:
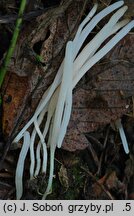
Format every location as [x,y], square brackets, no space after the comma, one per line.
[56,103]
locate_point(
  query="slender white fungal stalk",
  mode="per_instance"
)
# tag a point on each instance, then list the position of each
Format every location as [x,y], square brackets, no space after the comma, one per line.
[51,109]
[66,118]
[90,26]
[38,160]
[101,53]
[33,136]
[20,165]
[122,135]
[50,180]
[32,156]
[95,43]
[56,103]
[115,28]
[81,26]
[65,85]
[119,25]
[50,132]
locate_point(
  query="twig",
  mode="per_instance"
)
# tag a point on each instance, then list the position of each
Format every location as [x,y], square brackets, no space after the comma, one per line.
[102,155]
[101,186]
[6,19]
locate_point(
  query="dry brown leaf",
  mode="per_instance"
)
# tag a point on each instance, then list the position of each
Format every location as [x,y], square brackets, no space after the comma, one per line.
[108,182]
[63,177]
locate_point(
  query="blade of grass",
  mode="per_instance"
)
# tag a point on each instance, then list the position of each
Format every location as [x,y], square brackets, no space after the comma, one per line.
[10,51]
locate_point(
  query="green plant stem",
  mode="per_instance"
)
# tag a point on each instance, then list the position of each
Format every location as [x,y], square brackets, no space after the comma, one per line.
[10,51]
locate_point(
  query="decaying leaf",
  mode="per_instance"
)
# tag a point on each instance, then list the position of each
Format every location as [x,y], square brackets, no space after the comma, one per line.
[63,177]
[108,182]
